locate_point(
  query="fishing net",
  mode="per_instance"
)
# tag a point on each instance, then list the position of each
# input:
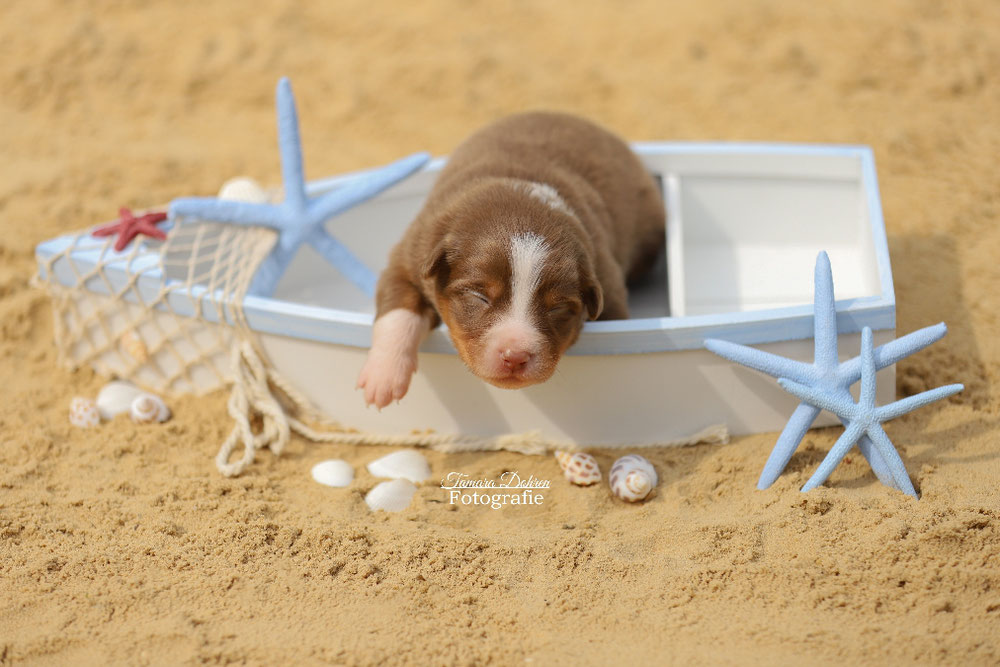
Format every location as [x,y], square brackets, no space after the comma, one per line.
[161,314]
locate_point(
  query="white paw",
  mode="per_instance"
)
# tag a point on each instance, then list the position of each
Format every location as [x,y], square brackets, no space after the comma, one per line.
[386,376]
[392,358]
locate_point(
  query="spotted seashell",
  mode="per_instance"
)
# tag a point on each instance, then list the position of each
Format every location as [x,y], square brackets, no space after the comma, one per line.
[632,478]
[404,464]
[579,468]
[83,413]
[243,189]
[148,408]
[116,397]
[391,496]
[133,345]
[333,472]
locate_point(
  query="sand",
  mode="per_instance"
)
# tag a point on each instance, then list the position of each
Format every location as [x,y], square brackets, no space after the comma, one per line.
[124,545]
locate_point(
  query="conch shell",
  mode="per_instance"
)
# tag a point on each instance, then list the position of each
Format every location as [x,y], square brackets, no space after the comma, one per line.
[149,408]
[632,478]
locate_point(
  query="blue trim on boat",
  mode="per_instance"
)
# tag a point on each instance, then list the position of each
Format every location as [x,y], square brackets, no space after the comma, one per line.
[638,336]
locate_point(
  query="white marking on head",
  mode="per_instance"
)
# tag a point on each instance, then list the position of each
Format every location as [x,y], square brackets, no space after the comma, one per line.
[549,196]
[546,194]
[527,256]
[515,336]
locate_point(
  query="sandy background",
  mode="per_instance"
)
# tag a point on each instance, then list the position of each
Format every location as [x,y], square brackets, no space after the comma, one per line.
[123,544]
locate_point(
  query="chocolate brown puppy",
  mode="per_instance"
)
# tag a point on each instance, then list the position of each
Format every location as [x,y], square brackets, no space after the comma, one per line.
[536,224]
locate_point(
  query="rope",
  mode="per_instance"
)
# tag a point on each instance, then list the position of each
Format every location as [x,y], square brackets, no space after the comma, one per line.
[252,396]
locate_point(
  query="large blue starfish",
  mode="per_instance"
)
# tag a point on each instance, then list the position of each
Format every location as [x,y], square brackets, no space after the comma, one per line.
[824,374]
[864,418]
[299,218]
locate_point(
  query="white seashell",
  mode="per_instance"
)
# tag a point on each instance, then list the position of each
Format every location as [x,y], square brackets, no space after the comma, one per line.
[579,468]
[134,346]
[243,189]
[333,472]
[116,397]
[149,408]
[632,478]
[404,464]
[393,496]
[83,413]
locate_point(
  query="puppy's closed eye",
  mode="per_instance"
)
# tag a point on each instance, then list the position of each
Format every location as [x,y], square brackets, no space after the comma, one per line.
[471,303]
[475,295]
[564,308]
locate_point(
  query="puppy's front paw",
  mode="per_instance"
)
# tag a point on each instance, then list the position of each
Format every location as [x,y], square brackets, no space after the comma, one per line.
[386,377]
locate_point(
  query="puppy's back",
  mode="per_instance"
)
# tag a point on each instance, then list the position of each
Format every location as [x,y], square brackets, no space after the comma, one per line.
[594,171]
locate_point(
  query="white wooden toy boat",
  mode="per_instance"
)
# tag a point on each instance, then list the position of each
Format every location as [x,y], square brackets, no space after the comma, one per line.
[744,225]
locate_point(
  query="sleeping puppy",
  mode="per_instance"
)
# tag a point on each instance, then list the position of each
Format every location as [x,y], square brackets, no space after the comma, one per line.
[536,224]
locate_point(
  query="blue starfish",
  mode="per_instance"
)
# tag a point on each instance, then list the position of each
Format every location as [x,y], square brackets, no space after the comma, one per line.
[824,374]
[864,418]
[299,218]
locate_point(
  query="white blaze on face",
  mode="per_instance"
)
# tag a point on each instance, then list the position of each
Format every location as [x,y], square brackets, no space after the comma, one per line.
[527,256]
[515,331]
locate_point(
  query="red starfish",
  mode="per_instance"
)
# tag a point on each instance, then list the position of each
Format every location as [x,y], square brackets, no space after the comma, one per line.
[130,226]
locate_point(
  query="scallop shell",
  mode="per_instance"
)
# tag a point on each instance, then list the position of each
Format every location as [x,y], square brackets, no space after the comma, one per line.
[404,464]
[579,468]
[83,413]
[116,397]
[632,478]
[134,346]
[243,189]
[392,496]
[333,472]
[149,408]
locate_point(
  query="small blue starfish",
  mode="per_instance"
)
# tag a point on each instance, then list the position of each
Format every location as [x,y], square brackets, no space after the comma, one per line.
[299,219]
[824,374]
[864,418]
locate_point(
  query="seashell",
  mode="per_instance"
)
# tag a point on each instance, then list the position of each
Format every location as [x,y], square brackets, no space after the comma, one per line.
[632,478]
[83,413]
[404,464]
[242,188]
[579,468]
[149,408]
[116,397]
[392,496]
[133,345]
[333,472]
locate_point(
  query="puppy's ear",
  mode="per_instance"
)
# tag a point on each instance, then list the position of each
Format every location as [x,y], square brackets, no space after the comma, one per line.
[591,292]
[435,267]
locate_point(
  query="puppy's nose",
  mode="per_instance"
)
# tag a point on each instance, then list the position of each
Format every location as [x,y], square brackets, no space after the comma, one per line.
[515,360]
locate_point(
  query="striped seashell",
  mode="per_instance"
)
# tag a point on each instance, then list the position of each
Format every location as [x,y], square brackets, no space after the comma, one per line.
[133,345]
[632,478]
[579,468]
[149,408]
[83,413]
